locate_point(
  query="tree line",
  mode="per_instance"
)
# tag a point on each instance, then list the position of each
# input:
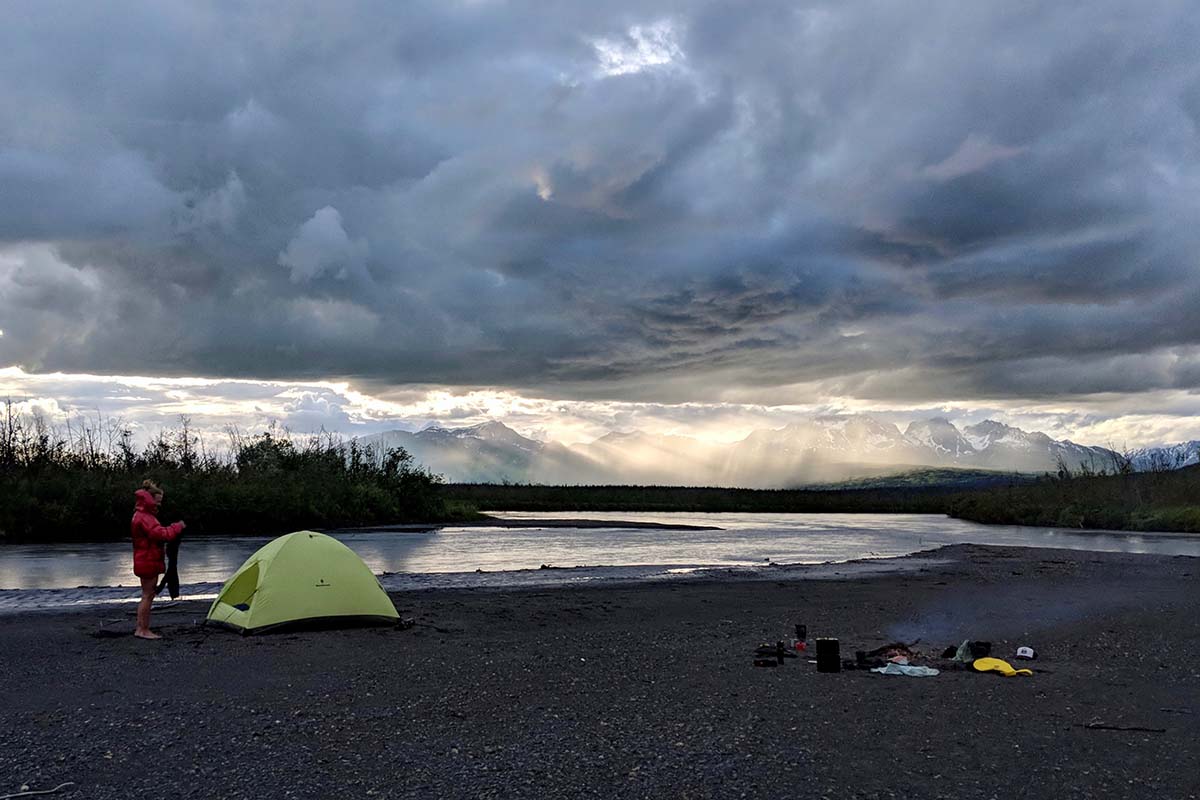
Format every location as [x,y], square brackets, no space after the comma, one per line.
[541,498]
[1165,498]
[1086,496]
[76,481]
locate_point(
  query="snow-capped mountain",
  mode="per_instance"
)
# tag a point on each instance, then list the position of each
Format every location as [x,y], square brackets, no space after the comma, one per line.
[797,451]
[1161,459]
[488,453]
[938,435]
[1003,447]
[820,450]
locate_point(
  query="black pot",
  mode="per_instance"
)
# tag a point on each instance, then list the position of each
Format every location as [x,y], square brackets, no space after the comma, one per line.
[828,655]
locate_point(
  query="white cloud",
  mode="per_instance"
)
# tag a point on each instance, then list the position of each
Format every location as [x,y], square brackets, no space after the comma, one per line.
[148,404]
[322,246]
[643,46]
[975,153]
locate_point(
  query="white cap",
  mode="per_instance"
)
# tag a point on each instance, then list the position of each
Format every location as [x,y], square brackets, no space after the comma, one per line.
[1026,652]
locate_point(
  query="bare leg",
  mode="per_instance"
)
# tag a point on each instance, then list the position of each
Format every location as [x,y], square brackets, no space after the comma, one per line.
[149,584]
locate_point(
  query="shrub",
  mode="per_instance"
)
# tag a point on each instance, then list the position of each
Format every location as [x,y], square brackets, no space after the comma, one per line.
[58,487]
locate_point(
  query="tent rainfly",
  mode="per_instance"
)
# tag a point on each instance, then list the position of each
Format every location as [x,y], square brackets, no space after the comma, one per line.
[300,577]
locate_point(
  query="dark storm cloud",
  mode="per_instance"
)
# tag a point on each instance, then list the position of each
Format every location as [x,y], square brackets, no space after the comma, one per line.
[649,200]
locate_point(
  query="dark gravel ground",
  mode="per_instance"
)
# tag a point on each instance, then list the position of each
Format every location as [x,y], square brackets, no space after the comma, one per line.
[643,691]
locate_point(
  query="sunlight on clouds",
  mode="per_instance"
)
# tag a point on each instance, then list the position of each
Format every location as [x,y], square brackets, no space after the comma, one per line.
[541,179]
[643,46]
[46,407]
[147,404]
[11,377]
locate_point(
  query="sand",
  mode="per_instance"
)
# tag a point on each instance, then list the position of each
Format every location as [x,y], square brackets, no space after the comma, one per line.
[636,691]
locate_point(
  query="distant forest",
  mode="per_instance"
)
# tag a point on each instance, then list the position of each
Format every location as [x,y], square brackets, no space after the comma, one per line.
[1167,500]
[529,497]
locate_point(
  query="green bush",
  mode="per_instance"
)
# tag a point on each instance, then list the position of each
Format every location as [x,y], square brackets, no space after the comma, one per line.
[53,488]
[1149,501]
[1180,519]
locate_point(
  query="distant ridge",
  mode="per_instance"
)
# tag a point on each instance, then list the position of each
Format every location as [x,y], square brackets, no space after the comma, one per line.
[826,450]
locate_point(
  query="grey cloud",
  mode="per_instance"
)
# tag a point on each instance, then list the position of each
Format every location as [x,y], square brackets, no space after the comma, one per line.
[52,196]
[951,200]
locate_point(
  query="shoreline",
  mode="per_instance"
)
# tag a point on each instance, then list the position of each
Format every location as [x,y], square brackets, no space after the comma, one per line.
[638,690]
[547,522]
[84,599]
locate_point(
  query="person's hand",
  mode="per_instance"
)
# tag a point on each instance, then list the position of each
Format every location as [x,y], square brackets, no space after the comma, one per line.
[182,524]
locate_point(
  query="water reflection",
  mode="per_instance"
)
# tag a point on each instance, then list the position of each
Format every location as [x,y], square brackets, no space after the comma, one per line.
[746,540]
[203,559]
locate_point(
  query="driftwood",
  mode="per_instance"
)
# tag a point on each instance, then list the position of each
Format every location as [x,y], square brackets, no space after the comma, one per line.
[31,793]
[1097,725]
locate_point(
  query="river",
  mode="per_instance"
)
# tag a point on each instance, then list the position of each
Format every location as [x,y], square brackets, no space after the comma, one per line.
[72,574]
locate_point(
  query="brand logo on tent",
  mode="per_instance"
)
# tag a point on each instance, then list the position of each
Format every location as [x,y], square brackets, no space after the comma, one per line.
[321,582]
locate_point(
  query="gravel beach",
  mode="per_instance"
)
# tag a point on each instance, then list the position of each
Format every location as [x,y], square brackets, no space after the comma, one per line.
[644,690]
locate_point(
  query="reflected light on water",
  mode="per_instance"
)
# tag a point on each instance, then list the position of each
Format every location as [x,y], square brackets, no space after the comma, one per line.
[745,540]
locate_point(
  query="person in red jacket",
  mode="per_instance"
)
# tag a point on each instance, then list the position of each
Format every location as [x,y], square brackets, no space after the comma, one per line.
[148,559]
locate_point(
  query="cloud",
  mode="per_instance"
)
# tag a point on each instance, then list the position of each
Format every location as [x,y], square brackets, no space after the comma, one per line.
[622,202]
[221,207]
[321,246]
[975,153]
[74,195]
[147,404]
[642,47]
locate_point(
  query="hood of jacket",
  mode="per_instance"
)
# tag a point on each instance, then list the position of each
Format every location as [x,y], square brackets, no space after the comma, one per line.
[145,501]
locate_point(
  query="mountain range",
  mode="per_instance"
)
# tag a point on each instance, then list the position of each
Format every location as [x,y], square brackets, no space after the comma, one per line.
[818,451]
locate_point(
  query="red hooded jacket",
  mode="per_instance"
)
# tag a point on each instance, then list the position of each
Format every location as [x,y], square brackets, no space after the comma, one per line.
[149,536]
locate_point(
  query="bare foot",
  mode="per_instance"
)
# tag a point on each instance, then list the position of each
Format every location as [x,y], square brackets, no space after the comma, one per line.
[146,635]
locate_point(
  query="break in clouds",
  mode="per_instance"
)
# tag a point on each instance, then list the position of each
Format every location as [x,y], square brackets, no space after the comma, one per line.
[774,203]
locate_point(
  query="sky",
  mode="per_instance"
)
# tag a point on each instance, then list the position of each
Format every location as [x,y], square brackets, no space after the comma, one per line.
[699,218]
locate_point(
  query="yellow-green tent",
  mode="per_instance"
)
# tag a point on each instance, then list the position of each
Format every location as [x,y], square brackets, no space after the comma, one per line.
[301,576]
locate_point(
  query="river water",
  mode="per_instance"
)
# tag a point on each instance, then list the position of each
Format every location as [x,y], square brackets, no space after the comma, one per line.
[73,574]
